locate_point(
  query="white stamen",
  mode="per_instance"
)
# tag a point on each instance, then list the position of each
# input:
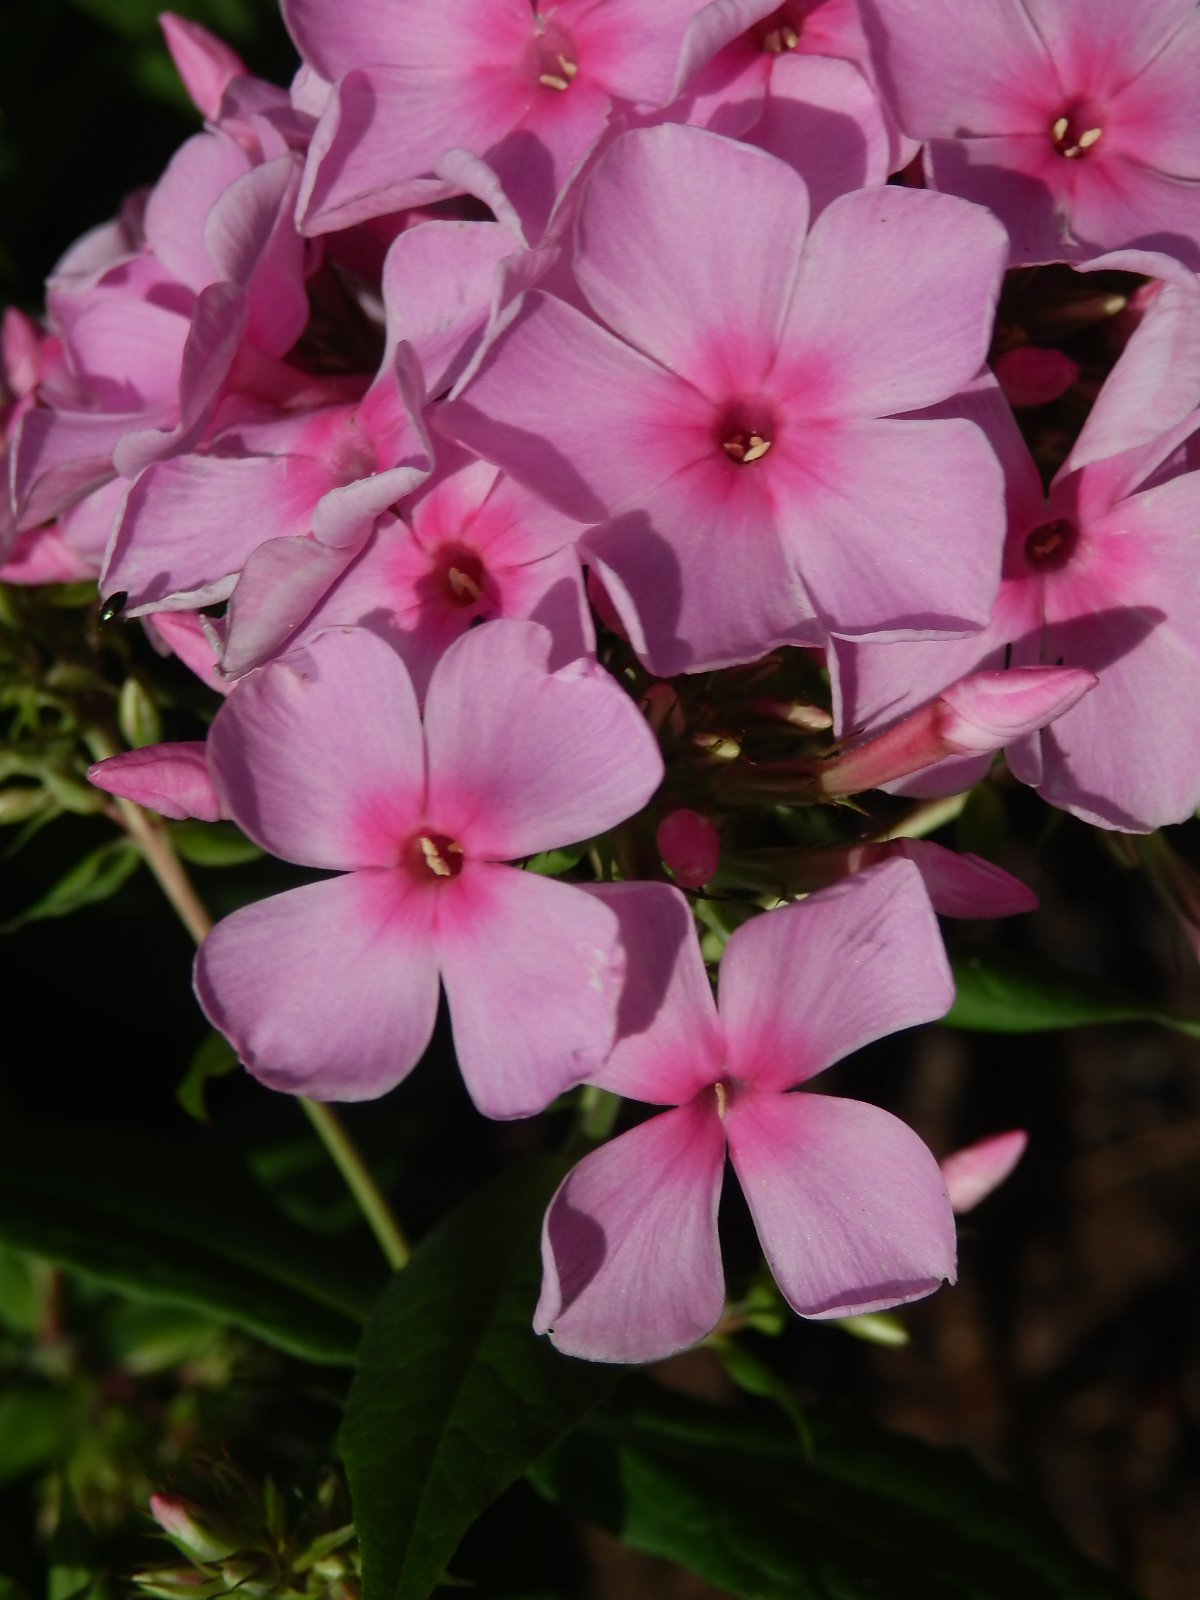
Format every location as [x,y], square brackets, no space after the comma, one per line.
[463,585]
[1088,139]
[435,860]
[720,1088]
[553,82]
[569,68]
[757,448]
[1059,129]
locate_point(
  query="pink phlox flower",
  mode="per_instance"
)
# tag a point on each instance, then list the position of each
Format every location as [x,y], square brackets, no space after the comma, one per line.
[974,1171]
[735,436]
[849,1205]
[259,115]
[275,511]
[1076,122]
[473,545]
[527,88]
[321,757]
[1099,575]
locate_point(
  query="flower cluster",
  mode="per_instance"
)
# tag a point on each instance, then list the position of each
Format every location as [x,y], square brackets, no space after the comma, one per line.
[578,440]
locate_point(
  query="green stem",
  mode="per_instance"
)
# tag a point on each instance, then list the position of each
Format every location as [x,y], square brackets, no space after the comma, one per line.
[158,852]
[359,1181]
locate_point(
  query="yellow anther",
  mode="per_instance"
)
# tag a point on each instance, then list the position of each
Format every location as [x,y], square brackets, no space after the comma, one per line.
[569,68]
[756,448]
[1088,139]
[746,447]
[463,585]
[1059,129]
[551,81]
[779,40]
[434,858]
[720,1088]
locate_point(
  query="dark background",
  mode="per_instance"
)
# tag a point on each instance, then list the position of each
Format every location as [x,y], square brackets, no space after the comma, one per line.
[1068,1357]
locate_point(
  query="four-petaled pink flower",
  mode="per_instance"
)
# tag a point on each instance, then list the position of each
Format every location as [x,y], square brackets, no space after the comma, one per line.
[738,443]
[850,1207]
[332,989]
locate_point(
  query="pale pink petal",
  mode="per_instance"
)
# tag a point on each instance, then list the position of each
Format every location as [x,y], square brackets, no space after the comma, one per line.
[521,759]
[205,63]
[965,885]
[576,415]
[198,174]
[823,118]
[1122,203]
[705,572]
[1018,176]
[672,218]
[894,305]
[184,633]
[42,555]
[857,516]
[126,354]
[533,971]
[57,458]
[1153,116]
[251,239]
[190,523]
[319,756]
[329,991]
[630,1255]
[850,1207]
[630,48]
[972,1173]
[430,34]
[669,1042]
[803,986]
[1099,44]
[986,710]
[172,779]
[951,72]
[280,586]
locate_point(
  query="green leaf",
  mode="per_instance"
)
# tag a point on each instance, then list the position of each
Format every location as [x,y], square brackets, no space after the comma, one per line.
[95,878]
[174,1222]
[39,1426]
[551,862]
[214,1057]
[1014,994]
[871,1516]
[213,844]
[455,1395]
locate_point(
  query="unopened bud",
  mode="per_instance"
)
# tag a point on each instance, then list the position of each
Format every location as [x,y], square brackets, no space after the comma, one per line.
[1032,376]
[690,846]
[972,1173]
[192,1529]
[172,779]
[720,746]
[659,703]
[17,805]
[137,716]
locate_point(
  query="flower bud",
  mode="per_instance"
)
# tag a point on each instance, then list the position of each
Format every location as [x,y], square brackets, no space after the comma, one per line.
[191,1529]
[172,779]
[1031,376]
[137,716]
[690,847]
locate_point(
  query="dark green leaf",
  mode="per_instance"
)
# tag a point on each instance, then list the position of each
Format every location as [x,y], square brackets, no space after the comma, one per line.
[95,878]
[39,1426]
[214,1058]
[172,1221]
[455,1395]
[551,862]
[872,1515]
[1013,994]
[213,844]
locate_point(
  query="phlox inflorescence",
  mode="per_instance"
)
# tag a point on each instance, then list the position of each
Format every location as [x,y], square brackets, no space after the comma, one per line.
[528,389]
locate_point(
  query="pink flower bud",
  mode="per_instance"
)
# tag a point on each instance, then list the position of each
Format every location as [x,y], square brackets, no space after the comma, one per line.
[973,1172]
[20,353]
[185,1523]
[1031,376]
[690,847]
[172,779]
[974,716]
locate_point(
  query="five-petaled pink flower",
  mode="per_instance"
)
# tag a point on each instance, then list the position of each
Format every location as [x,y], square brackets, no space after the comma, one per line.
[850,1207]
[332,989]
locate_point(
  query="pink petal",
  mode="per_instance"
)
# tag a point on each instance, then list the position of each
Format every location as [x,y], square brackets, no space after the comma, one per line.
[1151,115]
[631,49]
[856,512]
[672,217]
[577,416]
[319,756]
[58,457]
[803,986]
[669,1044]
[972,1173]
[985,711]
[894,304]
[172,779]
[950,72]
[205,63]
[280,586]
[533,971]
[251,239]
[190,525]
[823,118]
[965,885]
[522,759]
[199,172]
[630,1255]
[850,1207]
[183,633]
[1099,44]
[330,990]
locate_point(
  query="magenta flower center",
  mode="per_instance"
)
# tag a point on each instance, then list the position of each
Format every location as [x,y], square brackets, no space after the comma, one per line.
[551,59]
[461,577]
[746,431]
[431,857]
[1077,129]
[780,31]
[1050,547]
